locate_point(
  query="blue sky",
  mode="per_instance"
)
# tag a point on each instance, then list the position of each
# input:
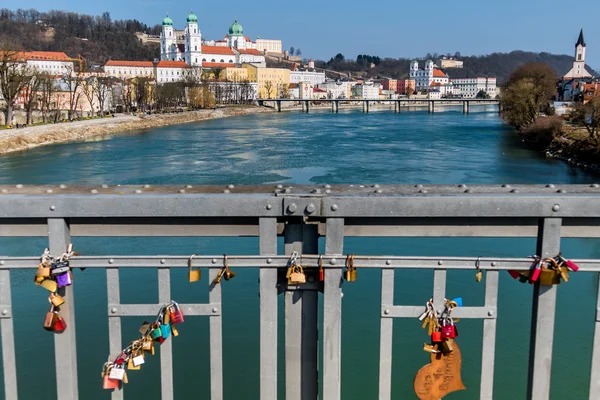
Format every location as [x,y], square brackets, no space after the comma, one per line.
[386,28]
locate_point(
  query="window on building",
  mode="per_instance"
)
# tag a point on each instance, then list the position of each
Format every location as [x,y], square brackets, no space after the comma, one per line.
[578,57]
[213,60]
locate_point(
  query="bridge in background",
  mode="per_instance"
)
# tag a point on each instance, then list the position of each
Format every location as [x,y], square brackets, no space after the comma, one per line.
[300,214]
[398,104]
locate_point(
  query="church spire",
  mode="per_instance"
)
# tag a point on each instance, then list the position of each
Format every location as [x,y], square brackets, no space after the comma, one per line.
[580,41]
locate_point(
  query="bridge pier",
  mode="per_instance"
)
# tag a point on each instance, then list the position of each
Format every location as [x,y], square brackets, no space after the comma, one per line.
[431,106]
[396,106]
[366,106]
[337,106]
[278,103]
[465,107]
[303,106]
[307,106]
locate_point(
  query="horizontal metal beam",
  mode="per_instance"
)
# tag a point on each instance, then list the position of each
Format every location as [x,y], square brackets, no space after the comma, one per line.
[390,311]
[134,310]
[309,261]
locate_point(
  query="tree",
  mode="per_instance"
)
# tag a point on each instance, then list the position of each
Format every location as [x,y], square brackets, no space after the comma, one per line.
[482,94]
[298,52]
[90,94]
[14,77]
[527,94]
[588,116]
[292,51]
[457,54]
[269,88]
[142,92]
[30,93]
[47,91]
[74,81]
[285,91]
[101,88]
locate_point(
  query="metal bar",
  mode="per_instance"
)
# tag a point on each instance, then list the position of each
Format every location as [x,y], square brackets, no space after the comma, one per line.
[309,261]
[310,321]
[542,316]
[595,370]
[268,311]
[332,313]
[293,322]
[166,348]
[65,344]
[114,321]
[462,312]
[385,336]
[488,351]
[130,310]
[216,337]
[9,365]
[439,289]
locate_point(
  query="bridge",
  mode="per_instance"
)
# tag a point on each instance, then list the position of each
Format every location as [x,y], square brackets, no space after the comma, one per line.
[398,103]
[300,214]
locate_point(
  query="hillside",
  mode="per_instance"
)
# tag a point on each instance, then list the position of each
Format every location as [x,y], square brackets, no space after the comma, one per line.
[96,38]
[498,65]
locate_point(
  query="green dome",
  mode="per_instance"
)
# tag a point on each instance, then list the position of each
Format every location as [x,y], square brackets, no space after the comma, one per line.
[236,29]
[192,17]
[167,21]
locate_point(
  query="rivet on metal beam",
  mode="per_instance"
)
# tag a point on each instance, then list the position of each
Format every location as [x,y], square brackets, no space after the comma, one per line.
[440,262]
[287,190]
[181,191]
[379,191]
[561,191]
[269,260]
[493,264]
[138,191]
[334,207]
[93,191]
[2,262]
[555,207]
[268,206]
[462,185]
[333,261]
[111,261]
[327,190]
[52,208]
[423,191]
[491,313]
[468,191]
[214,261]
[279,186]
[506,185]
[226,191]
[550,185]
[146,186]
[419,186]
[4,311]
[327,186]
[515,191]
[63,186]
[214,310]
[386,311]
[594,185]
[19,186]
[49,191]
[375,185]
[162,261]
[310,208]
[388,262]
[113,310]
[106,186]
[292,208]
[230,186]
[4,191]
[188,186]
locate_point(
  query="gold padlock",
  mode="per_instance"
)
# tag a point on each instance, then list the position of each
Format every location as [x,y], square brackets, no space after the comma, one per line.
[57,299]
[297,277]
[550,275]
[228,274]
[49,285]
[131,366]
[219,276]
[193,274]
[174,331]
[42,271]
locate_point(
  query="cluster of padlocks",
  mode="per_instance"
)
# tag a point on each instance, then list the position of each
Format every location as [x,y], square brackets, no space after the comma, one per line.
[113,372]
[548,271]
[440,326]
[53,274]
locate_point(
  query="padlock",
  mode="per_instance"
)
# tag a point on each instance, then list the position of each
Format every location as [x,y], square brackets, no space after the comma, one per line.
[289,272]
[458,301]
[478,276]
[144,328]
[156,332]
[564,273]
[535,274]
[166,315]
[228,274]
[138,359]
[121,358]
[353,274]
[348,275]
[297,276]
[174,331]
[109,383]
[51,318]
[131,366]
[429,348]
[514,274]
[165,330]
[218,277]
[446,346]
[43,271]
[56,299]
[59,267]
[193,274]
[436,336]
[49,285]
[570,264]
[117,373]
[549,276]
[147,344]
[321,270]
[60,325]
[176,314]
[449,330]
[64,279]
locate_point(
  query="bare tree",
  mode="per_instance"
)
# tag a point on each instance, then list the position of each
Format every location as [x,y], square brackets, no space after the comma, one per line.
[90,93]
[142,92]
[13,78]
[101,87]
[31,93]
[588,116]
[285,91]
[74,80]
[269,88]
[47,95]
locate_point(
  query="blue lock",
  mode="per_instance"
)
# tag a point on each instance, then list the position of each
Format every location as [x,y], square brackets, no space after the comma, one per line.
[165,330]
[458,301]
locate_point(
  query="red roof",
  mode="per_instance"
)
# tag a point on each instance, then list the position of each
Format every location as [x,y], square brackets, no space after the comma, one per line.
[217,50]
[43,55]
[121,63]
[435,84]
[217,65]
[439,73]
[250,51]
[293,85]
[317,90]
[172,64]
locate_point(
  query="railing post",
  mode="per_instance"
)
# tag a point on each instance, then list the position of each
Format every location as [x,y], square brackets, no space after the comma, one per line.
[332,313]
[8,337]
[114,321]
[542,316]
[385,335]
[166,348]
[268,311]
[216,337]
[595,374]
[301,321]
[65,345]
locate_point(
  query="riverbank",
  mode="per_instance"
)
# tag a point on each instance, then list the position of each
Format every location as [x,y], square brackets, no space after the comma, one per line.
[574,147]
[12,140]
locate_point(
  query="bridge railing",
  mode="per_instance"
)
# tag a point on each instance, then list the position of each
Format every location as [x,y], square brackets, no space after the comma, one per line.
[300,214]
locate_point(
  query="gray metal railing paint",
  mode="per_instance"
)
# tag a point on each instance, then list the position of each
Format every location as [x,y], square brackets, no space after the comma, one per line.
[300,214]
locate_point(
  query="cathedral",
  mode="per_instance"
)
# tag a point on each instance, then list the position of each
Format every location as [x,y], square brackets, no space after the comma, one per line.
[188,46]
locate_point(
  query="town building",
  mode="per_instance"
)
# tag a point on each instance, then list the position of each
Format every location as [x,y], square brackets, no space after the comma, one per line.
[424,77]
[319,94]
[578,70]
[590,91]
[306,73]
[269,45]
[337,89]
[450,62]
[172,71]
[305,90]
[51,62]
[271,81]
[573,83]
[390,84]
[234,49]
[470,87]
[234,74]
[129,69]
[406,86]
[366,90]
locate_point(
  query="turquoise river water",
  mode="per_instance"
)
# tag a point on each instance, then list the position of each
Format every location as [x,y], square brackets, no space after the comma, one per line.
[350,147]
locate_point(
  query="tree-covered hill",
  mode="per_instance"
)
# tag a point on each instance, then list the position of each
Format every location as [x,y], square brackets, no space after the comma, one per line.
[498,65]
[96,38]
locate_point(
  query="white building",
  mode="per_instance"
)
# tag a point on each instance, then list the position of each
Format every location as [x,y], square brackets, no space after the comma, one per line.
[450,62]
[269,45]
[172,71]
[234,49]
[470,87]
[52,62]
[424,77]
[366,91]
[129,69]
[578,70]
[313,77]
[337,90]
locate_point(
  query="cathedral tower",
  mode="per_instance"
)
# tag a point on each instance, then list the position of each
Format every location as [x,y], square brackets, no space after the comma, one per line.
[578,70]
[193,42]
[167,40]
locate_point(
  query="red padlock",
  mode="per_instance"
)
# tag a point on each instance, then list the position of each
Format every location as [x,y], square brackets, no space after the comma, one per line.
[570,264]
[514,274]
[449,331]
[436,337]
[176,314]
[535,274]
[60,325]
[109,383]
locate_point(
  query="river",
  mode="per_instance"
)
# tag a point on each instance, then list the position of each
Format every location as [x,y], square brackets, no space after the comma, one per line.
[317,148]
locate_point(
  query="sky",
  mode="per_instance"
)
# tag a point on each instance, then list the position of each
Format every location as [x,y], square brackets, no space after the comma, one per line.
[385,28]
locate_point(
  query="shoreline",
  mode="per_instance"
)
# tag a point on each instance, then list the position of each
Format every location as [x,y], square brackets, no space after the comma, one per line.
[14,140]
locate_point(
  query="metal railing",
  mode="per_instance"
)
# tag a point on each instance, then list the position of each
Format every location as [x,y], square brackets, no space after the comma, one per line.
[300,214]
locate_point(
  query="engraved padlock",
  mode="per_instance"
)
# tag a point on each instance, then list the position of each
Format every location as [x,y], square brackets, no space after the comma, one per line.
[60,267]
[176,314]
[449,330]
[436,336]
